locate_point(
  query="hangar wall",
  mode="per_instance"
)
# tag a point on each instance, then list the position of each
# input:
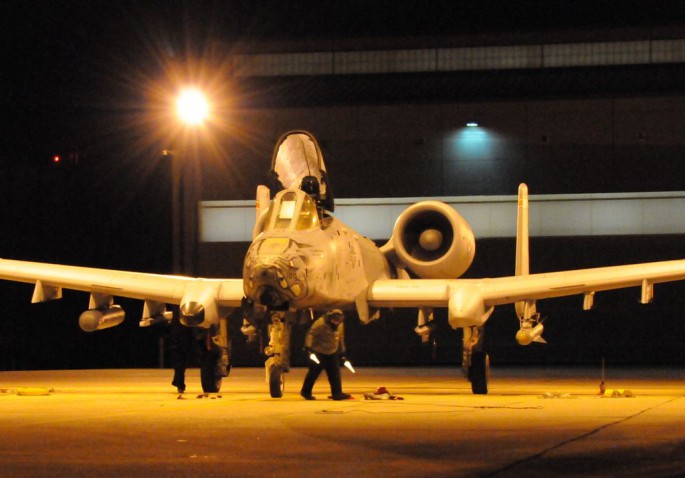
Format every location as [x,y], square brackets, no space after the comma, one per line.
[489,216]
[566,146]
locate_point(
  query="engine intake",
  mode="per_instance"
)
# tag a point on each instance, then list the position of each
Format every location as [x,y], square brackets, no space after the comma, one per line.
[433,241]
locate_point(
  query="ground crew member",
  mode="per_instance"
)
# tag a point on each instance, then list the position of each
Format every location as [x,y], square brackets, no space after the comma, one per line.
[325,349]
[180,351]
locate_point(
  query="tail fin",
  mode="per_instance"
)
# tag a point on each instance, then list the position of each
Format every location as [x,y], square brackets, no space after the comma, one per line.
[524,309]
[522,233]
[531,326]
[263,200]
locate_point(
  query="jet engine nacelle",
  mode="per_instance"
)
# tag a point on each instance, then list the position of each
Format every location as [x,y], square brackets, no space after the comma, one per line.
[433,241]
[98,319]
[199,307]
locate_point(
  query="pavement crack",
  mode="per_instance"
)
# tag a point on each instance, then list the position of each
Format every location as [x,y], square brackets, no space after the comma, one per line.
[577,438]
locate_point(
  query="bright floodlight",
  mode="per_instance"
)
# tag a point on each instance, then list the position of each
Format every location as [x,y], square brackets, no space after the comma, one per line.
[192,106]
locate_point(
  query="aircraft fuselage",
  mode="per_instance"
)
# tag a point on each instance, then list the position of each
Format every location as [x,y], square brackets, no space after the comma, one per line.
[319,268]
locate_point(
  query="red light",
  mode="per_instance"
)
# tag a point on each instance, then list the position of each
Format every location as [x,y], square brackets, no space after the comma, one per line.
[56,159]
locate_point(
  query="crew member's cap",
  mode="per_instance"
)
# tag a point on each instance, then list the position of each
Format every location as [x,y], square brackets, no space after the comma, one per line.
[335,314]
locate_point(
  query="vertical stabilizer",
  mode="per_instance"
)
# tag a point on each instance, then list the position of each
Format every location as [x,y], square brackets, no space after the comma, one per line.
[531,326]
[524,309]
[263,200]
[522,233]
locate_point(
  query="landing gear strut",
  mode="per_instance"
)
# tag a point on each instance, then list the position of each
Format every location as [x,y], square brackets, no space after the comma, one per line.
[476,362]
[426,328]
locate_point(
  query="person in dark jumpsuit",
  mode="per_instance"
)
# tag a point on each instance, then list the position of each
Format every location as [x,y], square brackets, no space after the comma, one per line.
[325,341]
[180,350]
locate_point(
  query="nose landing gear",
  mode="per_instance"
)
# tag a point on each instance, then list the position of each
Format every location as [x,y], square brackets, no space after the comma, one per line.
[475,361]
[278,353]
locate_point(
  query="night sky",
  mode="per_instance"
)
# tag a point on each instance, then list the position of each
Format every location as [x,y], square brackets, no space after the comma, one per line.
[76,74]
[81,79]
[70,65]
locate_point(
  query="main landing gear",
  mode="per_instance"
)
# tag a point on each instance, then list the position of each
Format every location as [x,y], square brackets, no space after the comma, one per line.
[476,362]
[215,362]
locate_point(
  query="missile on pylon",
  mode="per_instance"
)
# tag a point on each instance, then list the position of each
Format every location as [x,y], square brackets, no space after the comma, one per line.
[528,335]
[98,319]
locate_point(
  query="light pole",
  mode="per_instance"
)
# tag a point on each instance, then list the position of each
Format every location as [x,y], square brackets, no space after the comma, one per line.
[192,110]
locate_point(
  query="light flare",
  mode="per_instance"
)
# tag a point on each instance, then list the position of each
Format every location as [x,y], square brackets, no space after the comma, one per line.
[192,106]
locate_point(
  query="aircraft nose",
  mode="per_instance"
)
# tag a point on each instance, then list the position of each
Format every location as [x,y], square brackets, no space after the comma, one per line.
[275,284]
[269,297]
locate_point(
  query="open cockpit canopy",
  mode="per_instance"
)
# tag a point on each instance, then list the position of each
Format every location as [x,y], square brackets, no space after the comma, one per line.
[297,163]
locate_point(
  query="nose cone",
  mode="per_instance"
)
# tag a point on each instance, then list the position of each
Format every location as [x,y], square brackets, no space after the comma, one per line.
[270,297]
[274,285]
[268,286]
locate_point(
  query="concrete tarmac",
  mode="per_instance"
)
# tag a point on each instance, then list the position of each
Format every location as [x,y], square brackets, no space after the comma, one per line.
[534,422]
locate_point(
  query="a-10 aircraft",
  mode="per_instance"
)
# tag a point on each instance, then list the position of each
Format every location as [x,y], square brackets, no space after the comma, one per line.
[303,261]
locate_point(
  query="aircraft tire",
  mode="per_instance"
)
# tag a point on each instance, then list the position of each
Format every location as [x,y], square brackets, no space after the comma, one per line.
[209,373]
[479,372]
[276,381]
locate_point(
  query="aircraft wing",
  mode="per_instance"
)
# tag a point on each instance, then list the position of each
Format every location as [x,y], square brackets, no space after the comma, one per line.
[505,290]
[50,279]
